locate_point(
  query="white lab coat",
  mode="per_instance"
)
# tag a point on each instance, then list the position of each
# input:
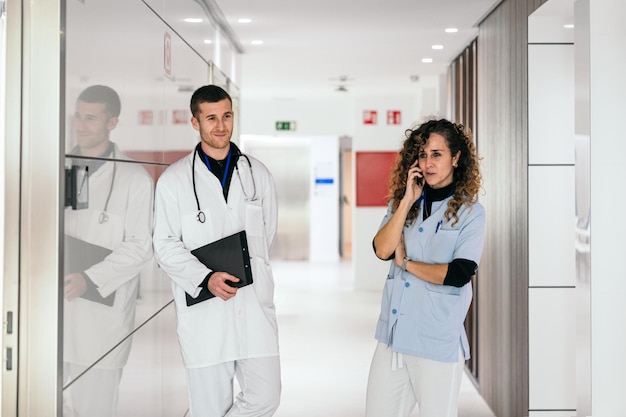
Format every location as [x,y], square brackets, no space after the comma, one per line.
[217,331]
[90,328]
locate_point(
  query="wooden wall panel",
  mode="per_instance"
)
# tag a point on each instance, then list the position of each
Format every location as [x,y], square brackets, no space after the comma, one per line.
[462,84]
[502,140]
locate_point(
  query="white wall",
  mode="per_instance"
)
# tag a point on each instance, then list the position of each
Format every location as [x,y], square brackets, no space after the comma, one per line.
[369,271]
[331,116]
[587,322]
[324,197]
[607,34]
[551,217]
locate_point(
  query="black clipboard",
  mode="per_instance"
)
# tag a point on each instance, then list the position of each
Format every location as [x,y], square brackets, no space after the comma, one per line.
[81,255]
[229,254]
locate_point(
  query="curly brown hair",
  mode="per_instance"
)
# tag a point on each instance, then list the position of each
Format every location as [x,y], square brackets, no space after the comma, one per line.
[467,175]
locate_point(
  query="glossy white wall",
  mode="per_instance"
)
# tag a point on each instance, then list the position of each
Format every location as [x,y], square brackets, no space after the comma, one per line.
[605,34]
[551,269]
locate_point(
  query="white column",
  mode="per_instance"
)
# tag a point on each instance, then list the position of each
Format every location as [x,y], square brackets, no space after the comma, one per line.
[607,296]
[552,272]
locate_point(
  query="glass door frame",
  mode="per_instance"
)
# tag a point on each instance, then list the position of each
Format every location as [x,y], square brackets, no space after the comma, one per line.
[31,341]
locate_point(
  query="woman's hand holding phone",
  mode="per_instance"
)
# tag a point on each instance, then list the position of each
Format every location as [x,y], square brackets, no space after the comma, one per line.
[415,182]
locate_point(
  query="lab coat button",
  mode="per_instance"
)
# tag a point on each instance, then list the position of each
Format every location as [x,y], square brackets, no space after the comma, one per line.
[421,229]
[394,311]
[406,284]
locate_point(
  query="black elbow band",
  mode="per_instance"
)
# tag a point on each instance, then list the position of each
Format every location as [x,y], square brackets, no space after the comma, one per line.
[460,271]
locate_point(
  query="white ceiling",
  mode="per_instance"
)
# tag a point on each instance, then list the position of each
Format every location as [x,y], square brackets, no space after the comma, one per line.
[310,45]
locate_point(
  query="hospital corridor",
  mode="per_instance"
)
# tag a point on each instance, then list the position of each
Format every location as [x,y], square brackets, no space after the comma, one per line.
[137,133]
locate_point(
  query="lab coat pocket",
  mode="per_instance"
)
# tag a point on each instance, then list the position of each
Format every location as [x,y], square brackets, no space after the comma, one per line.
[254,219]
[263,282]
[255,231]
[441,309]
[442,246]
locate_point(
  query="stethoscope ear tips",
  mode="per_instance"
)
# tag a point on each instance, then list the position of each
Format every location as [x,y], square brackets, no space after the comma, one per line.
[201,218]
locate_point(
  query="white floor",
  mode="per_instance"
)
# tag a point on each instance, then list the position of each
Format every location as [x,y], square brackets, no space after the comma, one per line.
[327,340]
[326,331]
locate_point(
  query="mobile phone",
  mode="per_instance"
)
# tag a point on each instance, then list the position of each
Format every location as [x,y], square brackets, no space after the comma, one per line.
[420,180]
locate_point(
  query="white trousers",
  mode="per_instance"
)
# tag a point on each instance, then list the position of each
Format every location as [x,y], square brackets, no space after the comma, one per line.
[94,394]
[211,388]
[397,383]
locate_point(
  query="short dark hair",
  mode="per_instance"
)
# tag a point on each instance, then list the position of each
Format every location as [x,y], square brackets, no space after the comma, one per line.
[105,95]
[207,94]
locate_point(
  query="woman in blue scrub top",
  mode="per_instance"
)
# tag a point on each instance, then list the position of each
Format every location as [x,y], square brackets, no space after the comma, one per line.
[433,233]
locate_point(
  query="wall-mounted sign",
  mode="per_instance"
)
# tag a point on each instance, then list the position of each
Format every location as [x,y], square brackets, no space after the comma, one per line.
[370,117]
[394,117]
[146,117]
[180,117]
[285,125]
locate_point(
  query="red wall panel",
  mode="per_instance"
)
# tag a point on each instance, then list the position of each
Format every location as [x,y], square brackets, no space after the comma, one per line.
[373,170]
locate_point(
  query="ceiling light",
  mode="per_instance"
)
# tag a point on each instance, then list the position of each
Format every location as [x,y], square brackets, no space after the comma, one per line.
[427,60]
[244,20]
[193,20]
[451,30]
[257,42]
[208,41]
[437,46]
[569,26]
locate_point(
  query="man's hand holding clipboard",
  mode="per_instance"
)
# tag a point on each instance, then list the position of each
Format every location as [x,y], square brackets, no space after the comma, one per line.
[222,285]
[229,260]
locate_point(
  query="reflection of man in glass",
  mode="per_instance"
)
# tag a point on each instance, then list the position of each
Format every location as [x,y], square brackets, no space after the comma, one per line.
[107,244]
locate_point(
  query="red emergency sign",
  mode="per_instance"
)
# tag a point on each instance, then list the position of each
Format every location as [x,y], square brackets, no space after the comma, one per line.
[370,117]
[146,117]
[393,117]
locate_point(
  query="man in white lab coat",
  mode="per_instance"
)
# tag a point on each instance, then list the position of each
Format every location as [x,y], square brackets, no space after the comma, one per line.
[107,244]
[214,192]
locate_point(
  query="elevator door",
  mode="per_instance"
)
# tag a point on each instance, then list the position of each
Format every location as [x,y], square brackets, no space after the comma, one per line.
[289,163]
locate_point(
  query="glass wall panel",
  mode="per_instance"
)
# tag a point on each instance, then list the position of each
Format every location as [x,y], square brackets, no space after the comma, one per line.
[107,253]
[131,67]
[125,45]
[190,19]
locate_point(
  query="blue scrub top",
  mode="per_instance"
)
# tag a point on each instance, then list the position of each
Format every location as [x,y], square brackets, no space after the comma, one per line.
[424,319]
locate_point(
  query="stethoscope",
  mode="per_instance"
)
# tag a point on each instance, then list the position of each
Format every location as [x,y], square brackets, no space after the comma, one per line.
[104,217]
[201,217]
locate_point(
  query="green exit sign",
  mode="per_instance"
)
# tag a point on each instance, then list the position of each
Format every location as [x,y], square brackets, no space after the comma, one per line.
[285,125]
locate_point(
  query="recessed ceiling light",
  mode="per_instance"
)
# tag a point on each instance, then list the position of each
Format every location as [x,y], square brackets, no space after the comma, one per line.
[451,30]
[437,46]
[427,60]
[244,20]
[257,42]
[569,26]
[208,41]
[193,20]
